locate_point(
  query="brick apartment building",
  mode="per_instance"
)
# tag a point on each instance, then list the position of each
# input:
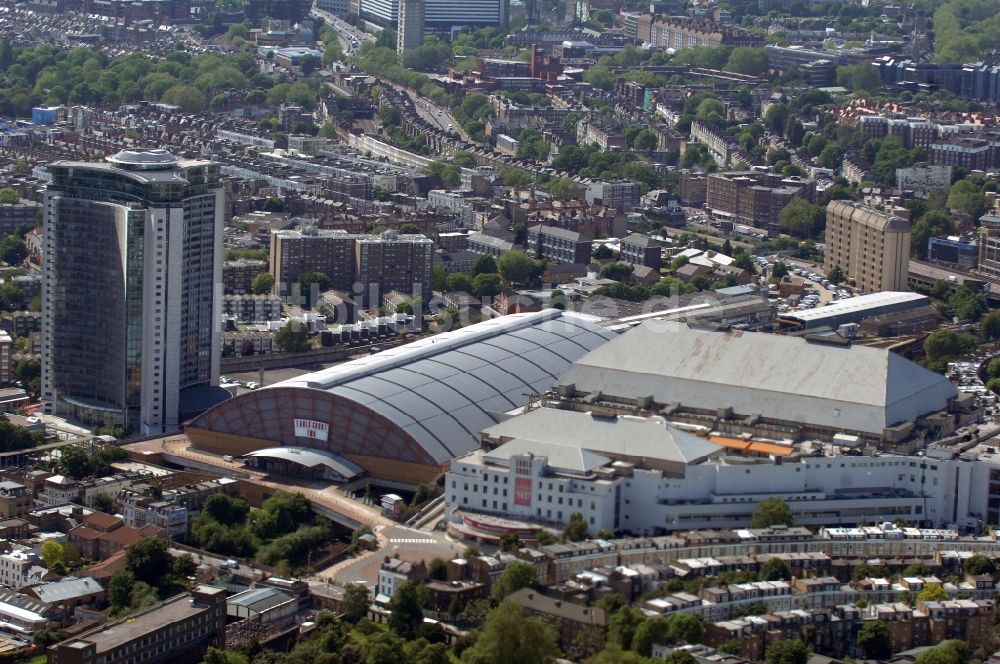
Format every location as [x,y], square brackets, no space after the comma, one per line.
[678,33]
[558,245]
[178,631]
[377,264]
[642,250]
[755,198]
[871,247]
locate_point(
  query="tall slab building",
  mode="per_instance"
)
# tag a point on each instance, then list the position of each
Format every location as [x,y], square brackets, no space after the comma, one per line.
[412,14]
[131,302]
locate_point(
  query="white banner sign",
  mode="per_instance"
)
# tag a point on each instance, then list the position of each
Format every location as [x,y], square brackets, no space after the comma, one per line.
[311,429]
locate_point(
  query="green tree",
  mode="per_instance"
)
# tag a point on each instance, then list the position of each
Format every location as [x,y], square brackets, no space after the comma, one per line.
[835,275]
[861,77]
[968,303]
[710,107]
[775,569]
[52,553]
[932,224]
[751,61]
[407,609]
[599,77]
[649,632]
[575,529]
[564,189]
[645,140]
[989,329]
[831,156]
[311,286]
[262,284]
[485,264]
[772,512]
[794,131]
[613,654]
[356,602]
[515,576]
[292,338]
[513,176]
[13,250]
[510,637]
[227,510]
[515,267]
[617,271]
[946,652]
[486,285]
[74,462]
[557,299]
[149,561]
[120,588]
[801,219]
[686,627]
[776,117]
[980,564]
[917,569]
[622,626]
[188,97]
[8,196]
[680,656]
[942,346]
[874,641]
[965,197]
[217,656]
[745,262]
[309,64]
[787,651]
[779,270]
[438,569]
[458,283]
[932,592]
[439,274]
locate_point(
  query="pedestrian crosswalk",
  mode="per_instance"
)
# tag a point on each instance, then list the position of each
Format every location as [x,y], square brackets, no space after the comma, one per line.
[413,540]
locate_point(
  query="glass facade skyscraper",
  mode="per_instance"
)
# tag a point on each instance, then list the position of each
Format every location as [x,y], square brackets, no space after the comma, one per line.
[132,288]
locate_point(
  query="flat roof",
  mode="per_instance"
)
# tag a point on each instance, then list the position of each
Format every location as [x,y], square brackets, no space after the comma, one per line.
[858,304]
[109,636]
[847,388]
[67,589]
[574,441]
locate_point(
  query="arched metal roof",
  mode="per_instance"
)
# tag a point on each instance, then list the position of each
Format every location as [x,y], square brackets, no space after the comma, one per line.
[439,392]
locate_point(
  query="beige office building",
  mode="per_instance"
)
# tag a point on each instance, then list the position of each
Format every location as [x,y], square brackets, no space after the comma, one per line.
[871,247]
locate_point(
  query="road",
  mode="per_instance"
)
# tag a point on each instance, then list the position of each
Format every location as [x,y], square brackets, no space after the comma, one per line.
[322,495]
[345,31]
[434,115]
[218,562]
[393,538]
[409,544]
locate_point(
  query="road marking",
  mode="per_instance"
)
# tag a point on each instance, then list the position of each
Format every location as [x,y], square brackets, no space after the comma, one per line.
[414,540]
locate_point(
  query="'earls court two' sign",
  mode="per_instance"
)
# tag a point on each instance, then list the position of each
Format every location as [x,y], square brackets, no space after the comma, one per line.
[311,429]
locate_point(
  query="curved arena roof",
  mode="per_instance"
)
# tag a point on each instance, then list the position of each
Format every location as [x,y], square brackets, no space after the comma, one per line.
[423,402]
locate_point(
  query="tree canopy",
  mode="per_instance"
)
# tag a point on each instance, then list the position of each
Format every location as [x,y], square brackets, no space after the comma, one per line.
[508,636]
[515,267]
[515,576]
[772,512]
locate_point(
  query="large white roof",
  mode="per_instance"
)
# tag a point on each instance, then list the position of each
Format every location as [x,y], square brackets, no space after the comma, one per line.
[851,388]
[859,304]
[574,440]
